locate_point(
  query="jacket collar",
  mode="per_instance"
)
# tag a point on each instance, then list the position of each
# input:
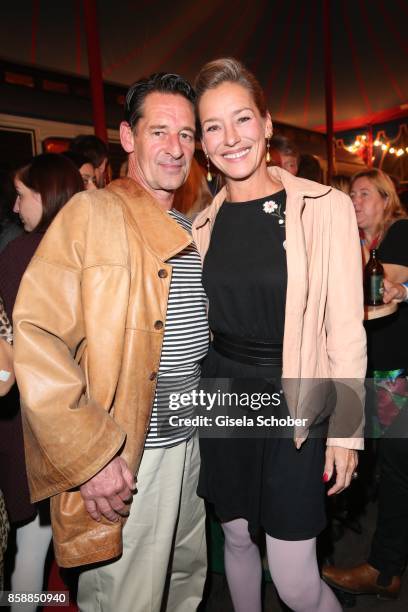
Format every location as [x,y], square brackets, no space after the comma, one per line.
[293,185]
[159,232]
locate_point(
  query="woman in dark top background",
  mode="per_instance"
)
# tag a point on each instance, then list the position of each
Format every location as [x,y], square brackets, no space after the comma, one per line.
[43,187]
[383,225]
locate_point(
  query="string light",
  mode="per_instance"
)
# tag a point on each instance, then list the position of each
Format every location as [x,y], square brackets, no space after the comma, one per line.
[361,143]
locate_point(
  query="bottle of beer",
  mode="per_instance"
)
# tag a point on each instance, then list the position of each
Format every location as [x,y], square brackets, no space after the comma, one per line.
[373,281]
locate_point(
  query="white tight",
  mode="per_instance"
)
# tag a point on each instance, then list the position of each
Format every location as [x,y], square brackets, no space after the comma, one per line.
[33,542]
[293,567]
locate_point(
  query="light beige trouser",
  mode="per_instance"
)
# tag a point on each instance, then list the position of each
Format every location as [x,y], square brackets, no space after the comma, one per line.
[165,512]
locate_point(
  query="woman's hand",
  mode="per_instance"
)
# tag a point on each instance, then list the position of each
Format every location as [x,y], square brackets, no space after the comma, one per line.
[342,461]
[393,291]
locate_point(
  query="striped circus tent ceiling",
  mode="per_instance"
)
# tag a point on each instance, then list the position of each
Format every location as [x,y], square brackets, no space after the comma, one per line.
[281,41]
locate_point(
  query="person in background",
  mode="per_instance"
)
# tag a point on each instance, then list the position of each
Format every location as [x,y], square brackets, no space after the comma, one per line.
[284,153]
[342,182]
[96,151]
[6,381]
[43,187]
[85,167]
[4,531]
[194,195]
[384,226]
[309,168]
[10,227]
[276,308]
[7,378]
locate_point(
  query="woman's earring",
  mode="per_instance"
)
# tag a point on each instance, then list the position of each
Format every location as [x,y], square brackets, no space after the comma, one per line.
[209,175]
[268,154]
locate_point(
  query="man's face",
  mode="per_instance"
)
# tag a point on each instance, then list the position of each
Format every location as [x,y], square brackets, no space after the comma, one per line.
[289,163]
[163,143]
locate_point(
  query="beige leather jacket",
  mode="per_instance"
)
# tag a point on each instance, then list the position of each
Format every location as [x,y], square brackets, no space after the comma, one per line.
[88,337]
[324,335]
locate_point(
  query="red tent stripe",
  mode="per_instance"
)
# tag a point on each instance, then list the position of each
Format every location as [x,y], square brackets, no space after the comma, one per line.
[280,45]
[310,51]
[78,35]
[389,114]
[397,36]
[355,60]
[242,46]
[403,6]
[34,30]
[293,57]
[378,51]
[263,51]
[194,14]
[216,22]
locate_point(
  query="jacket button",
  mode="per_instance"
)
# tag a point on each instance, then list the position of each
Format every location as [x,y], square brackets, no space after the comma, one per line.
[153,376]
[162,273]
[158,325]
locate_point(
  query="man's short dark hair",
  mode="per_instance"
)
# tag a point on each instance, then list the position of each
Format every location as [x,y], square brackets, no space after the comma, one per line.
[284,145]
[91,146]
[161,82]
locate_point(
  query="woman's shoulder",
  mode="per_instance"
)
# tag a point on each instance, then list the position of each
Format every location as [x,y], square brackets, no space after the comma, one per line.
[23,243]
[393,247]
[398,231]
[400,225]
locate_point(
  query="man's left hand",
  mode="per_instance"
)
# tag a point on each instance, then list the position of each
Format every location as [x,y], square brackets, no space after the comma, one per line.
[109,491]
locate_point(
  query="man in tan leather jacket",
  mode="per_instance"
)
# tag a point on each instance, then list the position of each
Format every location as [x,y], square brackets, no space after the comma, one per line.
[94,330]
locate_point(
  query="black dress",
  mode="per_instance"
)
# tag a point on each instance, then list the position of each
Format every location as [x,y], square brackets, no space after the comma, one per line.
[265,480]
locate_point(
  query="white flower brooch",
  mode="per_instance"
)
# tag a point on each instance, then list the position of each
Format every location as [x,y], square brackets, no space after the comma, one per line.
[270,206]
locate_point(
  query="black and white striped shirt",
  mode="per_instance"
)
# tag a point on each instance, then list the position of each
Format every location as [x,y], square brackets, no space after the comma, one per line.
[185,343]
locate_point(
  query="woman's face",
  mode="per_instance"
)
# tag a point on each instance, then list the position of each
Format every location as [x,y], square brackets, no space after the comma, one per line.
[87,172]
[233,130]
[28,205]
[368,204]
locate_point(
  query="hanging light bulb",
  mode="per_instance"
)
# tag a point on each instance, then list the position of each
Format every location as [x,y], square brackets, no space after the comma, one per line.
[377,143]
[400,152]
[384,147]
[392,150]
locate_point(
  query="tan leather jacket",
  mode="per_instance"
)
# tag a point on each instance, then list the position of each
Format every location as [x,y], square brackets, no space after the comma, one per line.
[324,335]
[88,337]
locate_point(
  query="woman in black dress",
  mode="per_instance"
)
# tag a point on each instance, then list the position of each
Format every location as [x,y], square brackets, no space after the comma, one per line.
[274,306]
